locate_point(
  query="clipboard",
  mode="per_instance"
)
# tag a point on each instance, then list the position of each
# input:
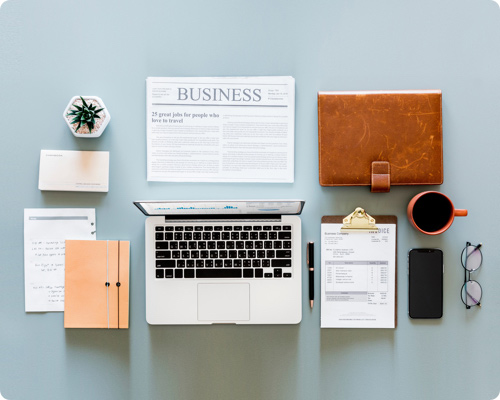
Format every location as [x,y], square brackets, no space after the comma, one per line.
[343,303]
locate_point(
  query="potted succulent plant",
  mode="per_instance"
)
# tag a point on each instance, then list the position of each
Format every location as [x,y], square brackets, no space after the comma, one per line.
[86,116]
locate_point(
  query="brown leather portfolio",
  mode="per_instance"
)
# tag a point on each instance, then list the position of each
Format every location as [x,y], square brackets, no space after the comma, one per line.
[97,284]
[380,138]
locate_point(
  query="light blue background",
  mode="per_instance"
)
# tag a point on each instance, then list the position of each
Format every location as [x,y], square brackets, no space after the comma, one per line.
[52,50]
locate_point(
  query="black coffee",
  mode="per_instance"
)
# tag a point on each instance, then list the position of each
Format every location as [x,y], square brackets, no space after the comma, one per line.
[432,212]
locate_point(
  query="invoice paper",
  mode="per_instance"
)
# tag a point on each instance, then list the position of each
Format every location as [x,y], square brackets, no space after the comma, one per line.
[45,232]
[358,277]
[220,129]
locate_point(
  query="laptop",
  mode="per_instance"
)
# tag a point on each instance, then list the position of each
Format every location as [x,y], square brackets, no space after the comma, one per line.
[223,262]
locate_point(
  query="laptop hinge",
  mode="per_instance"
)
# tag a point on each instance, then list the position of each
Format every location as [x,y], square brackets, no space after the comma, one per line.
[224,217]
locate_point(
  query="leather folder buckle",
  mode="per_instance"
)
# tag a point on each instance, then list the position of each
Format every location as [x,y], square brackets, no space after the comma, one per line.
[381,177]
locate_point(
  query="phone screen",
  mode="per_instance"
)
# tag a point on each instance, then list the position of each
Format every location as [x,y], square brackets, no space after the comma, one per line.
[425,283]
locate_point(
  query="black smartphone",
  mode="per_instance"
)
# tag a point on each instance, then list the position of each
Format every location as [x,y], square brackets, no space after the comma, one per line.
[425,283]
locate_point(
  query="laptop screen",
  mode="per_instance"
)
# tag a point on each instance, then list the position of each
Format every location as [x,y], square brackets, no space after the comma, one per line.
[291,207]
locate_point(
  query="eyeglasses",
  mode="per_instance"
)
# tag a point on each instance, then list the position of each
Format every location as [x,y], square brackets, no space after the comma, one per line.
[472,258]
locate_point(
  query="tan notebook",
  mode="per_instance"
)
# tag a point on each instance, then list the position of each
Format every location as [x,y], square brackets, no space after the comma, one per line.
[97,284]
[380,138]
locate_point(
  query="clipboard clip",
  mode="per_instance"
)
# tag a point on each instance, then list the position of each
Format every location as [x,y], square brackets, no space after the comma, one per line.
[358,221]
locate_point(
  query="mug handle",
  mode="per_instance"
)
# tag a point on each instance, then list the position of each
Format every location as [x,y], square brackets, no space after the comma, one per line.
[460,213]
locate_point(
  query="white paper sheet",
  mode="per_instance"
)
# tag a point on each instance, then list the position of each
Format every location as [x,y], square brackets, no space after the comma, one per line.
[358,277]
[220,129]
[68,170]
[45,232]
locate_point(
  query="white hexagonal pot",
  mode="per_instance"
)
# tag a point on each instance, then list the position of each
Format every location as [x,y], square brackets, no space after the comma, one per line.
[100,123]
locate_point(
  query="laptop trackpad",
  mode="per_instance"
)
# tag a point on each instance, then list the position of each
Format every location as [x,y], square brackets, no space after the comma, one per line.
[224,302]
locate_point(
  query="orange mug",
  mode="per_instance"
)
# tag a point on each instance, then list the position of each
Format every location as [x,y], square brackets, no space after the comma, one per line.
[432,212]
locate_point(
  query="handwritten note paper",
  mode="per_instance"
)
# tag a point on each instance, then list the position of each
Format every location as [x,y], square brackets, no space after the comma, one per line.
[45,232]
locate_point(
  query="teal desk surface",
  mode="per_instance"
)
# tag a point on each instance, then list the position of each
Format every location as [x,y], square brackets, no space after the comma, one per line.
[52,50]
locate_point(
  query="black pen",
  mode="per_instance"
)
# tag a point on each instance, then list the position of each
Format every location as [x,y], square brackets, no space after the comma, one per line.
[310,264]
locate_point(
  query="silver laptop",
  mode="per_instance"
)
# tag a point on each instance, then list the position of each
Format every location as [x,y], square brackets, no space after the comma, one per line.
[223,262]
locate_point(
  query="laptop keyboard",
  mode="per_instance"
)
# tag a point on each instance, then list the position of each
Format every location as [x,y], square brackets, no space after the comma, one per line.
[222,251]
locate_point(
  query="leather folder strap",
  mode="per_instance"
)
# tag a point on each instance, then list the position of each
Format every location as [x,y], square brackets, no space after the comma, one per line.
[381,177]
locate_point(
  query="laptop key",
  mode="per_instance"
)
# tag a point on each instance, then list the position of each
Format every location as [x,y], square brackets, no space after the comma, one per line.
[160,273]
[165,263]
[190,263]
[159,228]
[209,263]
[169,273]
[159,236]
[178,273]
[247,273]
[283,253]
[268,275]
[181,264]
[287,275]
[277,273]
[189,273]
[163,254]
[218,273]
[281,263]
[219,264]
[285,235]
[161,245]
[259,273]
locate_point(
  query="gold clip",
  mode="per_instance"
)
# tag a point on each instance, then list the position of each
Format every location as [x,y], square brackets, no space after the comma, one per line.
[358,221]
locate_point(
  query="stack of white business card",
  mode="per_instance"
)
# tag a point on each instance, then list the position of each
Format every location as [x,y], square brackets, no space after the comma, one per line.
[80,171]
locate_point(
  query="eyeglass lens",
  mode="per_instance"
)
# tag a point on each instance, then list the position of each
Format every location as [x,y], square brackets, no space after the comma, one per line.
[474,258]
[471,293]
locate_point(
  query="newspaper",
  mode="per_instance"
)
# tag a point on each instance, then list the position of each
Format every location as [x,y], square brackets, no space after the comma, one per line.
[220,129]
